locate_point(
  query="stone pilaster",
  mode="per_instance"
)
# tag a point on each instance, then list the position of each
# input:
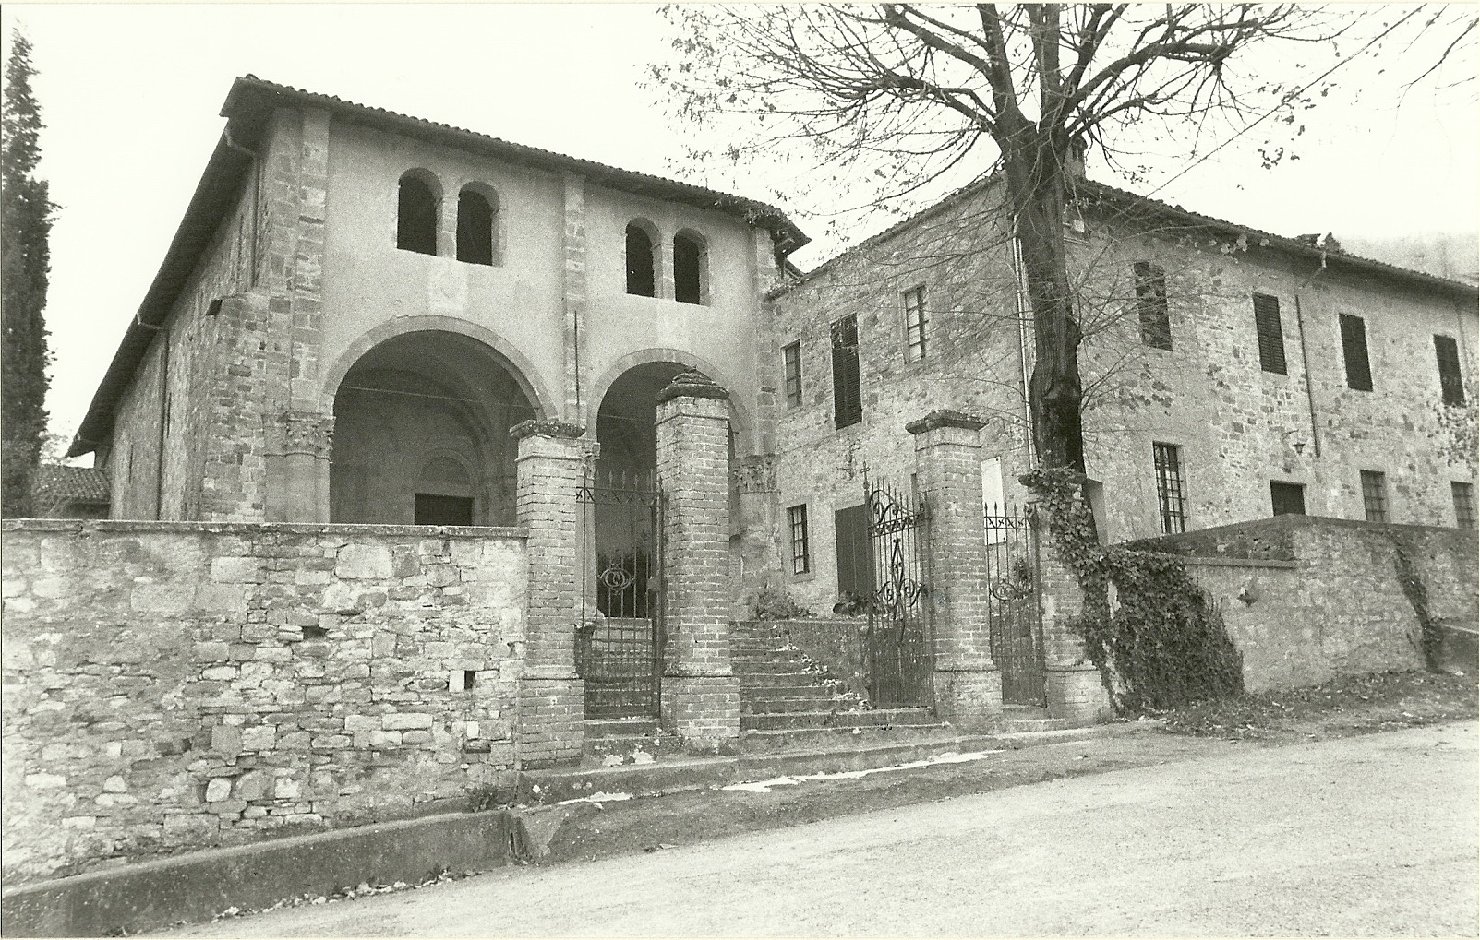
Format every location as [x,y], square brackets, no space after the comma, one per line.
[573,240]
[548,471]
[297,452]
[968,687]
[700,695]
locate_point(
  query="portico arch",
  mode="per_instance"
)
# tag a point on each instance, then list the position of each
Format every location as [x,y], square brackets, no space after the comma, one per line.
[742,426]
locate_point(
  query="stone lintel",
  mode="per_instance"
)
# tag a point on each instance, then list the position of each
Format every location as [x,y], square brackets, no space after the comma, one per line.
[946,419]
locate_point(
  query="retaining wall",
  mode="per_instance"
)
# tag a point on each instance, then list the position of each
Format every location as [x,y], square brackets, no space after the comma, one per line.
[173,686]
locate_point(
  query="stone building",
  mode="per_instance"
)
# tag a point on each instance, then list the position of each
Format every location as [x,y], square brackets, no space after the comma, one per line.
[1230,375]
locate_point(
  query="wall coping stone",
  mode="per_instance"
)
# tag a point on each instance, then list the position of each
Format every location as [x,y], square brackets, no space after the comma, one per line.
[1196,542]
[693,384]
[1236,562]
[946,419]
[548,427]
[81,526]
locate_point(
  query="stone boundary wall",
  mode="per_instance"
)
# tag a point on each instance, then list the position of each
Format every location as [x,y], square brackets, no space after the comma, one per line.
[172,686]
[1333,605]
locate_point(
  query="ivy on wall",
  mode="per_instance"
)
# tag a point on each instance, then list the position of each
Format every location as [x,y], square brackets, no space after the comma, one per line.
[1164,644]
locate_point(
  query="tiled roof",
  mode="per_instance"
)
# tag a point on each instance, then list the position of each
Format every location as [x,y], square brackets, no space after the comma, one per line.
[80,484]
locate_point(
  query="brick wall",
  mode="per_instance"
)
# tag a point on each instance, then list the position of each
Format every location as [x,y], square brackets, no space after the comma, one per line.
[1334,605]
[172,686]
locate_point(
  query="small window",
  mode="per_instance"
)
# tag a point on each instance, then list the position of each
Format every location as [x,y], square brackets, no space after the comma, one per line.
[690,269]
[1171,492]
[847,394]
[1374,495]
[416,215]
[791,362]
[1271,333]
[642,275]
[475,227]
[1450,383]
[1151,305]
[801,552]
[915,323]
[1354,352]
[1287,499]
[1464,504]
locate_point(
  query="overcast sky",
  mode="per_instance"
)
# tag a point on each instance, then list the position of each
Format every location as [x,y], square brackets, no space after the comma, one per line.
[131,96]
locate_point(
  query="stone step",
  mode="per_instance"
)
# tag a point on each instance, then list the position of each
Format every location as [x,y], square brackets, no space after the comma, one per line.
[791,706]
[790,690]
[632,749]
[851,719]
[833,738]
[762,666]
[620,727]
[767,680]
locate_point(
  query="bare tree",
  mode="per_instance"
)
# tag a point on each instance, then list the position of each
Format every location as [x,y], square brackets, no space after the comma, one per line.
[904,96]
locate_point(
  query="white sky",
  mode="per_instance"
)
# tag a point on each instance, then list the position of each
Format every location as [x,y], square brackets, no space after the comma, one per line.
[131,94]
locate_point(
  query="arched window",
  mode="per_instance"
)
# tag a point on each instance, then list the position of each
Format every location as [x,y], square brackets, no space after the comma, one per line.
[416,213]
[477,214]
[690,269]
[641,262]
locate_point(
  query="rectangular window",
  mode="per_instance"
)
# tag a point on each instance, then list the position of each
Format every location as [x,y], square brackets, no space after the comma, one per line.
[847,395]
[1288,499]
[1171,492]
[1151,305]
[1374,495]
[1354,351]
[1271,333]
[801,552]
[1464,504]
[1450,383]
[791,360]
[915,321]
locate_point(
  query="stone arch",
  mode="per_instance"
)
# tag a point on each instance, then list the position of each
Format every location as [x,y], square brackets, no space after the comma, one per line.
[690,267]
[418,211]
[740,414]
[479,225]
[518,365]
[642,254]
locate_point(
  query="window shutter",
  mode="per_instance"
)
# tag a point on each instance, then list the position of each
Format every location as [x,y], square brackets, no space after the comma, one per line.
[1271,333]
[847,395]
[1354,351]
[1451,384]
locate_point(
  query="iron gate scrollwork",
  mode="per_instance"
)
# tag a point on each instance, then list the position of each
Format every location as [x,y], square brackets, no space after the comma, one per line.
[897,654]
[619,638]
[1013,602]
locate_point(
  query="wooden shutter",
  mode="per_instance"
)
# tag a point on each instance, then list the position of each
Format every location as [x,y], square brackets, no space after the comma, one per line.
[1354,351]
[1450,381]
[847,395]
[855,559]
[1271,333]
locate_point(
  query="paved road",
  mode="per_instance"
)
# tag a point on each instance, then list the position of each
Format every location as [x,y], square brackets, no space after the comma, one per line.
[1373,835]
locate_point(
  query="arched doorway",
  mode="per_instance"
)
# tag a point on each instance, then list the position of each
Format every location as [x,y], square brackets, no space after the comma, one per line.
[421,434]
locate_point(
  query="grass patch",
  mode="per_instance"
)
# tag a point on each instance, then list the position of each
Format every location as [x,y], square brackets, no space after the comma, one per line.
[1345,706]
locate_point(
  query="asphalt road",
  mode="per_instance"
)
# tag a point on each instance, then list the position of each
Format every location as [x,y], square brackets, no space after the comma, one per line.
[1371,835]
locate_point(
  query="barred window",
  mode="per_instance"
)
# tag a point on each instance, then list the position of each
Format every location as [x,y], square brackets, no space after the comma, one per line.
[801,551]
[791,361]
[1464,504]
[1170,488]
[1151,305]
[847,393]
[1374,495]
[1271,333]
[1354,353]
[1450,383]
[915,321]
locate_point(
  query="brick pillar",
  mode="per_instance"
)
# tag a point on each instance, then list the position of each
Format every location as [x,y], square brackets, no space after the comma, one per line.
[968,687]
[1072,683]
[552,698]
[700,695]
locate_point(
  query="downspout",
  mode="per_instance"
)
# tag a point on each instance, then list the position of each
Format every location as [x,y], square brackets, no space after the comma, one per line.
[164,418]
[1310,395]
[1021,299]
[256,198]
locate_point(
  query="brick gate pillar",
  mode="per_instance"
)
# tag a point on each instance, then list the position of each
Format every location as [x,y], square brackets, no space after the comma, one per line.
[552,705]
[967,685]
[1071,682]
[700,699]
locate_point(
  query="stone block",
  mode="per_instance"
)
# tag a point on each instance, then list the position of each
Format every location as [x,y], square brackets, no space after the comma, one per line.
[218,790]
[406,721]
[236,570]
[364,562]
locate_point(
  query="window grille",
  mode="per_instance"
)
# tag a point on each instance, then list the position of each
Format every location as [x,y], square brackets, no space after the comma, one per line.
[847,393]
[1464,504]
[1151,305]
[801,550]
[1354,352]
[791,360]
[1450,383]
[1374,495]
[915,322]
[1171,493]
[1271,333]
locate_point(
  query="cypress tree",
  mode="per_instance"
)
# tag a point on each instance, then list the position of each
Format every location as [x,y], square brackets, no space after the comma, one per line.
[25,263]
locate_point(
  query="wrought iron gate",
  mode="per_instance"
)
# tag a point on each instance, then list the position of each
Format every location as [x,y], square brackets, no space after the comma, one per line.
[619,639]
[897,654]
[1013,603]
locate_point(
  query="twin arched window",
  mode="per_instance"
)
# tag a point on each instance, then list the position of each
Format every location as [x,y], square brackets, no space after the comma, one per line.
[418,209]
[690,264]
